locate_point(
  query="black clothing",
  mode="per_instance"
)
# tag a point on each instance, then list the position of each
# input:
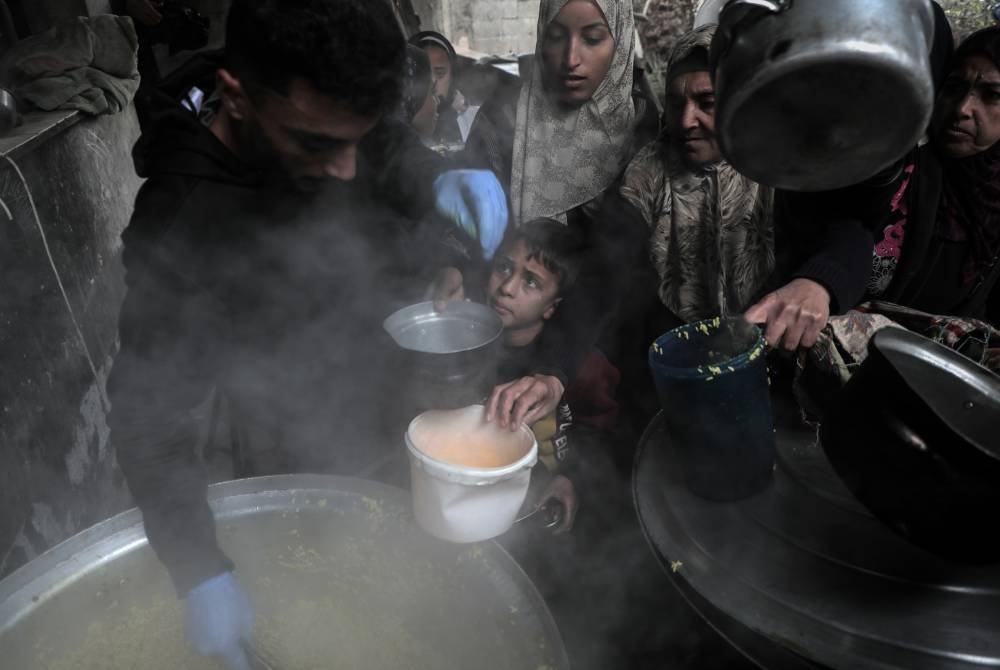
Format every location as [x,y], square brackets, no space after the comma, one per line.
[835,233]
[272,297]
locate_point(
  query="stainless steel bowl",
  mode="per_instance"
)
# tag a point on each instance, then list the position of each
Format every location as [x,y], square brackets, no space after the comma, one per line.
[463,326]
[449,357]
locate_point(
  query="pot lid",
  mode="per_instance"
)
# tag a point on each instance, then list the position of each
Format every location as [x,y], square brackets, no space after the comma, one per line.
[962,393]
[805,566]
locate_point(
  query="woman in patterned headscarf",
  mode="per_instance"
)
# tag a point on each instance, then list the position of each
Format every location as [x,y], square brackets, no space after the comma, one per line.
[709,228]
[564,136]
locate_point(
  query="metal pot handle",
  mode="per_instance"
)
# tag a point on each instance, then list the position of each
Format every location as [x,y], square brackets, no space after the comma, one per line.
[550,513]
[775,6]
[736,14]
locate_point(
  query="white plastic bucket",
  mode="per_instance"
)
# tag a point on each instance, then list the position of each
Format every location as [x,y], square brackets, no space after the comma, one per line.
[458,502]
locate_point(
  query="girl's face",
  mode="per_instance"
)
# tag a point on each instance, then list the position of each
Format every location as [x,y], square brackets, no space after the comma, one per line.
[440,69]
[577,49]
[968,110]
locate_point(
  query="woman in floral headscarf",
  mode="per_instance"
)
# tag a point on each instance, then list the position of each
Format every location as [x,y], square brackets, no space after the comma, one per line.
[952,265]
[936,225]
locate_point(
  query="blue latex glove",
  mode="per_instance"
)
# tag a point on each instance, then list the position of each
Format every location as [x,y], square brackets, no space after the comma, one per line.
[217,615]
[474,200]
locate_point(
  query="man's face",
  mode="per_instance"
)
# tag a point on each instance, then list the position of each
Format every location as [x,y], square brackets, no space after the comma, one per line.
[577,49]
[440,70]
[690,117]
[303,135]
[521,290]
[967,115]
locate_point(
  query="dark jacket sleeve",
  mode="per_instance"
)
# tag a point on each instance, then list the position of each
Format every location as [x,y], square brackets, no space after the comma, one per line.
[159,376]
[841,261]
[490,145]
[829,237]
[815,240]
[614,242]
[402,169]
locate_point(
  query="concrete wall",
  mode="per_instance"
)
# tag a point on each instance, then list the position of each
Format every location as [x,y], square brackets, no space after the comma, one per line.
[57,472]
[498,27]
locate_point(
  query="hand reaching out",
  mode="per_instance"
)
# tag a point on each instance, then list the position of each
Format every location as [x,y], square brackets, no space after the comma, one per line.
[794,315]
[524,400]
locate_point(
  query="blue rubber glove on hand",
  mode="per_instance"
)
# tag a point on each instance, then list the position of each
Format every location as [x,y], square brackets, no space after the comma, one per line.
[217,615]
[474,200]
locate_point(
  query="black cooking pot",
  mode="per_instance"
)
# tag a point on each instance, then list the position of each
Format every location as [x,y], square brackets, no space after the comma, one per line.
[915,435]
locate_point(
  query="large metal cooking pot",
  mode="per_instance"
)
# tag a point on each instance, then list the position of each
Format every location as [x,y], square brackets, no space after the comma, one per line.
[340,576]
[820,94]
[914,436]
[802,576]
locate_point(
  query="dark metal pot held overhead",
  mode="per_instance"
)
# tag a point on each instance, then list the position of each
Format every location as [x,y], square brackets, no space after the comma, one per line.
[820,94]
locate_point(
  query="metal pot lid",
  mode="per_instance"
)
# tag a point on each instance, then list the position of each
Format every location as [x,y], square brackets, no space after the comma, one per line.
[807,567]
[962,393]
[304,546]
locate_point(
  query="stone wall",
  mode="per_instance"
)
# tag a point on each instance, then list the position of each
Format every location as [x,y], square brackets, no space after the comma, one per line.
[499,27]
[57,471]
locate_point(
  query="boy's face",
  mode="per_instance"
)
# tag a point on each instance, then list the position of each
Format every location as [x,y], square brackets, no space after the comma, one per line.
[521,290]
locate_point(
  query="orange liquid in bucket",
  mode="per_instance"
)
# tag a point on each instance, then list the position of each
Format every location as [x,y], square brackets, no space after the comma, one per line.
[456,438]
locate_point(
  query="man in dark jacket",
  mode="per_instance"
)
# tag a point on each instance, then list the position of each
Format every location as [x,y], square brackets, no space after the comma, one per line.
[258,262]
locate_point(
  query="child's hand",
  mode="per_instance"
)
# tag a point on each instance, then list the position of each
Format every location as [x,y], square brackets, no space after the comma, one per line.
[562,491]
[524,400]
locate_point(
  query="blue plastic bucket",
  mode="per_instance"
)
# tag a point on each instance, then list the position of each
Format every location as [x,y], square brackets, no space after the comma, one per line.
[711,378]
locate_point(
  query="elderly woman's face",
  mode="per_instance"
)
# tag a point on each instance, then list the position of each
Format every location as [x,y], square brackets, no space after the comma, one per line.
[577,49]
[968,111]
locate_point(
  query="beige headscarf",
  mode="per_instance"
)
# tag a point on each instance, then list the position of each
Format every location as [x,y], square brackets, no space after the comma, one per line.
[712,237]
[565,158]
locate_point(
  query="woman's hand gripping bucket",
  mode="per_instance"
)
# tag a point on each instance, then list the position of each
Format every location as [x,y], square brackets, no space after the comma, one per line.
[711,378]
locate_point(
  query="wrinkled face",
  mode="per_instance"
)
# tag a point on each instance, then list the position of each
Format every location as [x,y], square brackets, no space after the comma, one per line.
[304,136]
[577,49]
[967,114]
[690,117]
[440,70]
[522,291]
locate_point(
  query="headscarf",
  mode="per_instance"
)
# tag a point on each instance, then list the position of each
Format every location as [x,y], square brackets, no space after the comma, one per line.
[564,158]
[430,38]
[712,239]
[970,195]
[417,81]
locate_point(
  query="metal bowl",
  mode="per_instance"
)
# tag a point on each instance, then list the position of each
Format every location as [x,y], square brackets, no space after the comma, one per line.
[338,572]
[449,357]
[462,326]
